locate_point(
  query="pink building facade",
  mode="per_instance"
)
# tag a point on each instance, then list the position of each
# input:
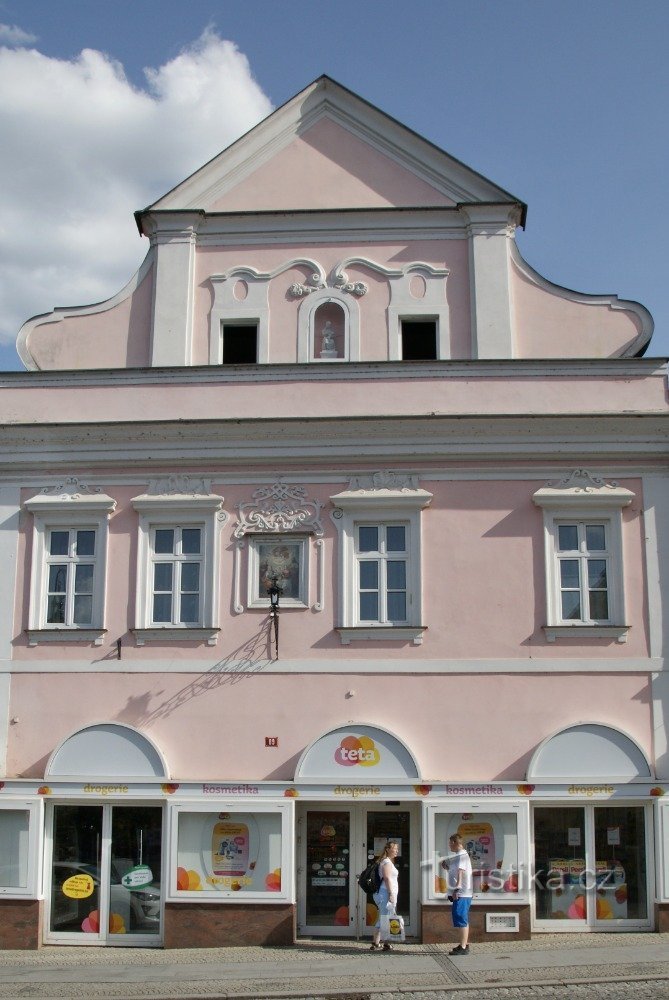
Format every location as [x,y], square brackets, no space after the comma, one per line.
[333,384]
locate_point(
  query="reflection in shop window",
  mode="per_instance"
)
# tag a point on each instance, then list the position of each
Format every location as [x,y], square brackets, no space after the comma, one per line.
[229,852]
[14,827]
[490,839]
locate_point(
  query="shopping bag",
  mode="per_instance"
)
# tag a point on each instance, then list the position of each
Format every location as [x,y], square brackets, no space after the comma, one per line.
[392,927]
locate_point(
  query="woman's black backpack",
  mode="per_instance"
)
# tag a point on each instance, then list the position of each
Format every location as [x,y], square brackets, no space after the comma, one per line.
[370,880]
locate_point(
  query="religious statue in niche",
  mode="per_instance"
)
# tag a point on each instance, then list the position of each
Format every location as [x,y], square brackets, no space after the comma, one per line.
[328,348]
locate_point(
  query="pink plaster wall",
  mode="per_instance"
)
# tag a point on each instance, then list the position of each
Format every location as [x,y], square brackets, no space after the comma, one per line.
[119,337]
[548,325]
[483,587]
[284,309]
[212,727]
[326,166]
[412,393]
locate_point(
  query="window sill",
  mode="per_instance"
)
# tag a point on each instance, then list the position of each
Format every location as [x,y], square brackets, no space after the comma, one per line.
[382,633]
[617,632]
[37,635]
[171,633]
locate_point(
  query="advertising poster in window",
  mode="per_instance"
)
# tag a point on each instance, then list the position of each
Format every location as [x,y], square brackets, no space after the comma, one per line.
[229,852]
[491,841]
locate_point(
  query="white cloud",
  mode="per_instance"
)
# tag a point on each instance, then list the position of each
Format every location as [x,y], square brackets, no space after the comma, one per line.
[83,149]
[10,34]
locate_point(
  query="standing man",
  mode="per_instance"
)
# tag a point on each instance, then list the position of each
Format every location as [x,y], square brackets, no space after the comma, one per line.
[460,891]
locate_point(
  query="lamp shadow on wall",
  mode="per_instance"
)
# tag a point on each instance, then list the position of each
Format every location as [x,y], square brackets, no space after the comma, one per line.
[251,658]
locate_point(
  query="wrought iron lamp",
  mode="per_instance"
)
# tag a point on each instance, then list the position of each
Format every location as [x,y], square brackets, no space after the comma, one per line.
[274,592]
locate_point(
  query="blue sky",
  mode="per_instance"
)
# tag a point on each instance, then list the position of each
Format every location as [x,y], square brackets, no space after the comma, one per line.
[562,103]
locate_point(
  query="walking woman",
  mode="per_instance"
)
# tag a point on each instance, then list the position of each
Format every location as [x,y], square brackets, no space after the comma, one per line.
[386,897]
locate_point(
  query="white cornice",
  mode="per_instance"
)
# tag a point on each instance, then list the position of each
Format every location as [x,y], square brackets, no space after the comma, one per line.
[224,445]
[576,368]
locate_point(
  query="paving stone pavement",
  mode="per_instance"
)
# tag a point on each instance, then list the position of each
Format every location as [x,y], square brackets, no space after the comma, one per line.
[601,967]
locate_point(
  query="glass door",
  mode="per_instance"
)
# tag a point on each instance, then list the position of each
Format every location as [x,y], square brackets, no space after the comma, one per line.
[382,825]
[104,875]
[590,867]
[327,872]
[335,844]
[620,853]
[559,865]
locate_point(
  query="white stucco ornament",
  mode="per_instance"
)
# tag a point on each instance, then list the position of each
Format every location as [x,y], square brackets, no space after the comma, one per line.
[280,507]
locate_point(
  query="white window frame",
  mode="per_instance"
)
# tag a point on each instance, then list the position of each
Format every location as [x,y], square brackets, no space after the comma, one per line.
[459,807]
[218,804]
[594,502]
[35,823]
[379,506]
[67,512]
[433,851]
[182,512]
[306,334]
[176,560]
[256,601]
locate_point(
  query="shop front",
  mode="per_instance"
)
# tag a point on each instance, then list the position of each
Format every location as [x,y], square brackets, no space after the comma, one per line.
[139,859]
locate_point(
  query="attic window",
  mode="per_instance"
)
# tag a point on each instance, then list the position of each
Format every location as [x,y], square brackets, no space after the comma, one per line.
[419,340]
[240,343]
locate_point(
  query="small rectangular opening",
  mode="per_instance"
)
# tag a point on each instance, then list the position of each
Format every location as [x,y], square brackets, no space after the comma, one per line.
[502,923]
[419,340]
[240,343]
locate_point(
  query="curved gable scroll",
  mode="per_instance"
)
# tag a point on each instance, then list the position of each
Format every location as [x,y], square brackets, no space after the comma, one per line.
[589,752]
[106,750]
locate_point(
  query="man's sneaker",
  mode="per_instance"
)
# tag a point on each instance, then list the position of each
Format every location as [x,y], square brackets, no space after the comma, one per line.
[459,950]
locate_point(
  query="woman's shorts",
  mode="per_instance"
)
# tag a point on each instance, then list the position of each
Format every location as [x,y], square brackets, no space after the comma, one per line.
[460,911]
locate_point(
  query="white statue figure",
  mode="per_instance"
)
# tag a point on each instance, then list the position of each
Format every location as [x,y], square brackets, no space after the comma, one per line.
[328,349]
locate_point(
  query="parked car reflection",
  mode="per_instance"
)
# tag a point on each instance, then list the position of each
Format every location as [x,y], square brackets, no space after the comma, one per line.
[138,909]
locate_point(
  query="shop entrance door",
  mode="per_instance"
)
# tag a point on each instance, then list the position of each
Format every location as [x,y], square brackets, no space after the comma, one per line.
[590,868]
[103,875]
[334,845]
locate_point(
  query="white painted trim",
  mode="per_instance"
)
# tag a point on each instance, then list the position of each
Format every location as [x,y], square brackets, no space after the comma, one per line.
[306,332]
[479,369]
[528,665]
[656,541]
[70,512]
[5,694]
[10,506]
[206,511]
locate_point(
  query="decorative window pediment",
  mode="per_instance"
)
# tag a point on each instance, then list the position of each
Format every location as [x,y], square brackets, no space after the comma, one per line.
[282,509]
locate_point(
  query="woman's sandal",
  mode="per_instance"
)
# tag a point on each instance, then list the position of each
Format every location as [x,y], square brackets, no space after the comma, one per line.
[376,947]
[387,947]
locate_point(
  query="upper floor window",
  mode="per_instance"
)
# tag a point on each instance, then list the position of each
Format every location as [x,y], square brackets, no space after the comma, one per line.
[178,556]
[177,560]
[380,542]
[419,339]
[70,576]
[585,593]
[67,580]
[382,579]
[240,343]
[583,564]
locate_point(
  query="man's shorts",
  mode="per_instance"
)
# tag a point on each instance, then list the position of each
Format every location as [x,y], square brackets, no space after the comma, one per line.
[460,911]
